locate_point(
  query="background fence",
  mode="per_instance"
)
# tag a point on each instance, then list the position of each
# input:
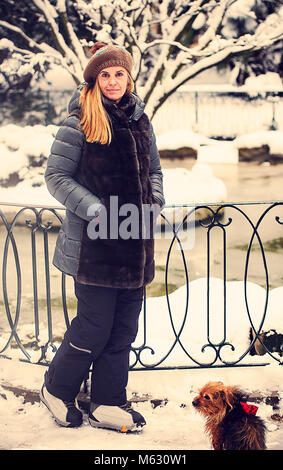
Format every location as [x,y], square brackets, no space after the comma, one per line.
[211,303]
[222,112]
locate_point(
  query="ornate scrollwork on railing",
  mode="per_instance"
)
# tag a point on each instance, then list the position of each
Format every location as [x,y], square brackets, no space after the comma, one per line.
[213,221]
[36,225]
[191,330]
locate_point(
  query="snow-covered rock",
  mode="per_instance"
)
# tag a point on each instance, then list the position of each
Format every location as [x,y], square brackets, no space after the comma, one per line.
[23,151]
[218,152]
[32,140]
[259,84]
[274,139]
[260,146]
[180,143]
[11,161]
[193,187]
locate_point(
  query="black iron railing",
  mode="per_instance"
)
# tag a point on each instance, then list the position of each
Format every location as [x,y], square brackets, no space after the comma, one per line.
[212,303]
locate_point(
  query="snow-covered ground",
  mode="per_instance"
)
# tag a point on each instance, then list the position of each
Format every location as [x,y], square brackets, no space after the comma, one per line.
[21,145]
[172,425]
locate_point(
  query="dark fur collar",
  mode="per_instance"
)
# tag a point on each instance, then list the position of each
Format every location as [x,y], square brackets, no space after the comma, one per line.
[119,169]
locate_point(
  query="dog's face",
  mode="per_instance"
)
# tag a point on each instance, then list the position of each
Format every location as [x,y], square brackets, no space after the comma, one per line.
[214,399]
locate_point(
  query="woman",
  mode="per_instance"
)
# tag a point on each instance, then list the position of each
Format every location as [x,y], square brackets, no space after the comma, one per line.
[104,161]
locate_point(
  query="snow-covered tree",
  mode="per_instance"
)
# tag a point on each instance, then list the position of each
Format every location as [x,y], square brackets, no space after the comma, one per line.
[171,40]
[267,59]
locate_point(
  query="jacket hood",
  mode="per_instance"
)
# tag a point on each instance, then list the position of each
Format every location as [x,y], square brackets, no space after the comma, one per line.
[74,101]
[138,111]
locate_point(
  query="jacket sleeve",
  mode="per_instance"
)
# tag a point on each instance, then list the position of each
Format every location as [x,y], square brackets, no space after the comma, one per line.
[155,172]
[62,165]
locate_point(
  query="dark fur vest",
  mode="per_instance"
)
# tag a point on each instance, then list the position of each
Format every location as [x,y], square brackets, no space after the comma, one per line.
[120,169]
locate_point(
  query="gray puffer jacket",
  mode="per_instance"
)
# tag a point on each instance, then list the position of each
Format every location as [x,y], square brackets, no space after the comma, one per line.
[63,182]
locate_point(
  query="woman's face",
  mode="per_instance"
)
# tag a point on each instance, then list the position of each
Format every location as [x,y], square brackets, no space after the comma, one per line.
[113,82]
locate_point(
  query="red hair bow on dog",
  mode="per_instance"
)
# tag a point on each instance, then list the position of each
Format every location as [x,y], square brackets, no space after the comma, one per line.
[249,409]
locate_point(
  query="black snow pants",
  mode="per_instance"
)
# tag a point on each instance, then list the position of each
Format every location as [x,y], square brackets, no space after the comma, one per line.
[100,335]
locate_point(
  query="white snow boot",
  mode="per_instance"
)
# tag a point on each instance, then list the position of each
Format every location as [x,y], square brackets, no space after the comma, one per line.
[65,413]
[120,418]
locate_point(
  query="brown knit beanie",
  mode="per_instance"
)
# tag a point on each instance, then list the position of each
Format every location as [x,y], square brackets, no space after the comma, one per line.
[106,56]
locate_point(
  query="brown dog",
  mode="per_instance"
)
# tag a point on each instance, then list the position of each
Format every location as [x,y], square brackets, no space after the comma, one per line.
[230,422]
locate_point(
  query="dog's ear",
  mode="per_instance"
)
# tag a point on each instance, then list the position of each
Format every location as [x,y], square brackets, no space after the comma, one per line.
[215,388]
[228,396]
[216,384]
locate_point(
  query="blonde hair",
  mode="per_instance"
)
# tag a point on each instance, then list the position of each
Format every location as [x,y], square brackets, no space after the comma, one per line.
[94,118]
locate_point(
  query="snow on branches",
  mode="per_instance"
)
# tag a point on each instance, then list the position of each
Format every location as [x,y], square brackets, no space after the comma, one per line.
[171,40]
